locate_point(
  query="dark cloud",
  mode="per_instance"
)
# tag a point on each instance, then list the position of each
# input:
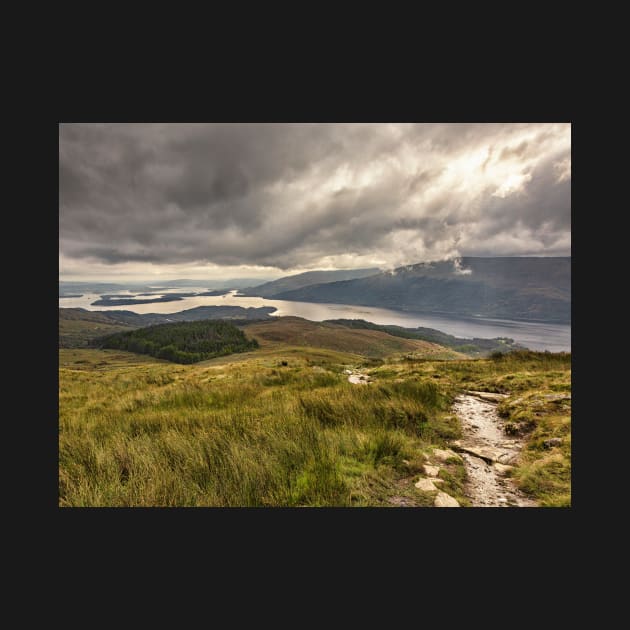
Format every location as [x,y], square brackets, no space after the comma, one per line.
[295,195]
[543,201]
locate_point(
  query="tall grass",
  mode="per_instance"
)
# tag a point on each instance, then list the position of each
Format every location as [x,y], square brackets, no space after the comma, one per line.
[256,434]
[273,437]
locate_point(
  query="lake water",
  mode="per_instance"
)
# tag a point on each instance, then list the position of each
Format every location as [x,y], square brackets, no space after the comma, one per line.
[536,336]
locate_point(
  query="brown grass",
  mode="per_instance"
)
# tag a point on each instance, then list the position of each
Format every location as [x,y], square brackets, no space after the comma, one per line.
[296,331]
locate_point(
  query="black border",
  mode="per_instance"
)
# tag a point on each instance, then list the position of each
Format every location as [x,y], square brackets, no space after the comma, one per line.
[348,532]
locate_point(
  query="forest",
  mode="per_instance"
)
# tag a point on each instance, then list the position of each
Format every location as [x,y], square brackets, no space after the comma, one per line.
[181,342]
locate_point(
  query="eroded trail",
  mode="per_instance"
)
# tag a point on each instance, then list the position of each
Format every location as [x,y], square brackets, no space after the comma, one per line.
[487,452]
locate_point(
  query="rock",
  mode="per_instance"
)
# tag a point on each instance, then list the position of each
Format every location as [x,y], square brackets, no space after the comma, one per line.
[507,457]
[358,379]
[444,454]
[489,396]
[426,485]
[399,501]
[502,468]
[431,471]
[405,462]
[489,454]
[552,442]
[557,397]
[347,371]
[445,500]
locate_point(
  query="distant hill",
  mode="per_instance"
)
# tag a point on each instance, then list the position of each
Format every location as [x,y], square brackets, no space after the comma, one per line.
[534,289]
[193,314]
[78,326]
[475,347]
[300,280]
[295,331]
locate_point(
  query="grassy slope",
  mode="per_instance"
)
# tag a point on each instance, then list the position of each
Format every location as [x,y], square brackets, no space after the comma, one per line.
[248,430]
[247,433]
[475,347]
[77,328]
[296,331]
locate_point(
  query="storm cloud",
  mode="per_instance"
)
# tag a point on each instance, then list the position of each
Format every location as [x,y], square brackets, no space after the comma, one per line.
[308,196]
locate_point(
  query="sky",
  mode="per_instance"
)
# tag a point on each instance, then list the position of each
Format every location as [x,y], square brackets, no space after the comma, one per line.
[264,200]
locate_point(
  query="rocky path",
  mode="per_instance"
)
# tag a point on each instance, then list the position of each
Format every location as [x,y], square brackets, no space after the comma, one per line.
[488,453]
[357,378]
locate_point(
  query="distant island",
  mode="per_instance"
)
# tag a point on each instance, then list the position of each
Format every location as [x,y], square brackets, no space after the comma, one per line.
[215,293]
[115,300]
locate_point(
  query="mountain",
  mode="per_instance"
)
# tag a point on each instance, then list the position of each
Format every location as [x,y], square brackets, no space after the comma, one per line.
[290,283]
[520,288]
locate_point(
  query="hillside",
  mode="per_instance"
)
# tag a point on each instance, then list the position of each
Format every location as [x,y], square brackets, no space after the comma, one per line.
[535,289]
[300,280]
[77,326]
[295,331]
[473,347]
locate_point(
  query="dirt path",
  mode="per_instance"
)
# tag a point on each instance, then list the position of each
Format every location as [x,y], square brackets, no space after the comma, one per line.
[487,453]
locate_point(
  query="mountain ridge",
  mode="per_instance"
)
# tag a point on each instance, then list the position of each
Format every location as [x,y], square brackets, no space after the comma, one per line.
[307,278]
[518,288]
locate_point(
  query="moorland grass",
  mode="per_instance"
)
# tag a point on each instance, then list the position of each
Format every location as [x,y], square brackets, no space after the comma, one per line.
[285,428]
[241,434]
